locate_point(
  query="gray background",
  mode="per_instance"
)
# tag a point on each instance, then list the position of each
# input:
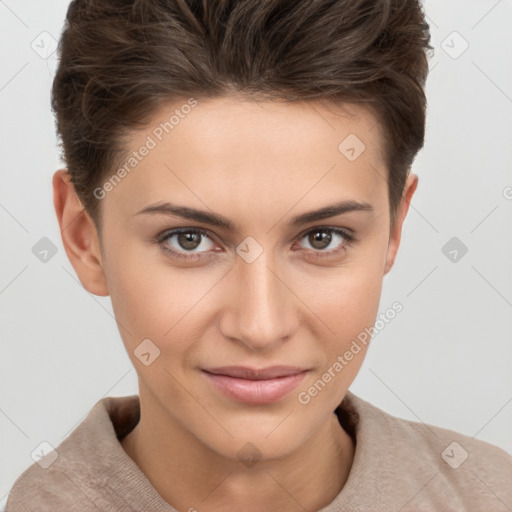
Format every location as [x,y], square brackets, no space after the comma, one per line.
[446,359]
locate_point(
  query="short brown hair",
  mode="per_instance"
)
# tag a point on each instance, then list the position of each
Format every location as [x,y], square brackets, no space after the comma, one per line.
[120,60]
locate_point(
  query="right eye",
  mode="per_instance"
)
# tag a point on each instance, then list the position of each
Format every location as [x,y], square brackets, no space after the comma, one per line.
[185,241]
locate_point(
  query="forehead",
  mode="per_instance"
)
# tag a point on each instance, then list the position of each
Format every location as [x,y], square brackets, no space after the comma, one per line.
[231,152]
[248,127]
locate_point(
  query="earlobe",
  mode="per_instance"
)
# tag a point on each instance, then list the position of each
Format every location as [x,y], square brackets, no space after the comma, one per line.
[79,235]
[396,231]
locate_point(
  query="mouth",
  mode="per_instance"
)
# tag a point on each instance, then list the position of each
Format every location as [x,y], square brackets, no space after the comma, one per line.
[255,386]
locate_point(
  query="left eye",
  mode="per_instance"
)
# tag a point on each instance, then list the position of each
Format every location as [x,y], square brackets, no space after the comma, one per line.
[320,238]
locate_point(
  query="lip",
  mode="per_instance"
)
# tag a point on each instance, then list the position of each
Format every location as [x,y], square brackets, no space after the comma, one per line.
[244,372]
[255,386]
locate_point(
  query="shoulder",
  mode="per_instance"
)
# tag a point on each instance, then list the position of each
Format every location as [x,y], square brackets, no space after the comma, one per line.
[439,461]
[74,476]
[48,490]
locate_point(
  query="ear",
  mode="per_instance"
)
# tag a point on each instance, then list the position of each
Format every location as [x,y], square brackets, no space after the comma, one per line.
[396,231]
[79,235]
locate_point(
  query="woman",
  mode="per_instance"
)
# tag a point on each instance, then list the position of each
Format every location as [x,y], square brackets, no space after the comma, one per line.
[238,175]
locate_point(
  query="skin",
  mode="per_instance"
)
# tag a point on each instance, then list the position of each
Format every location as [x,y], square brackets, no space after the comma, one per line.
[258,164]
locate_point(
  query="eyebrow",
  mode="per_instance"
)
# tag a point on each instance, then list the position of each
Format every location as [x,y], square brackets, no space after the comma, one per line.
[215,219]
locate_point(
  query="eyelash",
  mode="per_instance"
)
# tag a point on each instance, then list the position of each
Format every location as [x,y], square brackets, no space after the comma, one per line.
[350,240]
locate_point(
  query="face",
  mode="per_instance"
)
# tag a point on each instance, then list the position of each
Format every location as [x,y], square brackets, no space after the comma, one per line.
[268,285]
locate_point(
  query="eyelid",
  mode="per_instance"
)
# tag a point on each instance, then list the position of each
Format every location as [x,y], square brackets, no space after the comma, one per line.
[349,232]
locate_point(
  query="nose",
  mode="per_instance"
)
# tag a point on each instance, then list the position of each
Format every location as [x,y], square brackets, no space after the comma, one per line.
[262,311]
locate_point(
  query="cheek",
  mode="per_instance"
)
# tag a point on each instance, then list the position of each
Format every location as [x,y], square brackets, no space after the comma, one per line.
[346,297]
[348,306]
[147,298]
[151,299]
[347,302]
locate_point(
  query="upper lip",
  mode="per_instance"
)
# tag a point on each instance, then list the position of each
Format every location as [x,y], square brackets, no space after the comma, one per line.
[244,372]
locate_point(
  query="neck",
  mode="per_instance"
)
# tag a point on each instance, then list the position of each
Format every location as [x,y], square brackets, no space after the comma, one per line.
[191,476]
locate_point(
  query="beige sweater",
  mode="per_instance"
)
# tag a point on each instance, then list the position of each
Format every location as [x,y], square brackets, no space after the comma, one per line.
[398,465]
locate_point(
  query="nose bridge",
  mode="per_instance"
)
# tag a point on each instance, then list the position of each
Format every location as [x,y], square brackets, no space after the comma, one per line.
[263,306]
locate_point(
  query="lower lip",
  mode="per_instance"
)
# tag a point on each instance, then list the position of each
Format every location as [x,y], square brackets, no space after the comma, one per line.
[256,391]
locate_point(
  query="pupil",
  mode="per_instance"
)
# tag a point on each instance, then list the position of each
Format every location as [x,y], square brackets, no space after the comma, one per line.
[189,240]
[322,237]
